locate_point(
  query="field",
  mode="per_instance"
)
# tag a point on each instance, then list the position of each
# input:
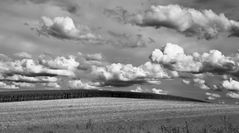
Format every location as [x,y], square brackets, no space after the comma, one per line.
[113,115]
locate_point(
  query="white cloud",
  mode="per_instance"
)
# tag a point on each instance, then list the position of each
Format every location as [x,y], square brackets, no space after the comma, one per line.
[87,61]
[211,98]
[201,83]
[215,95]
[215,87]
[20,78]
[186,81]
[51,85]
[4,67]
[173,74]
[159,91]
[119,72]
[59,72]
[25,66]
[153,71]
[46,70]
[25,81]
[203,24]
[61,62]
[233,95]
[31,68]
[129,74]
[24,84]
[78,84]
[7,86]
[153,82]
[172,57]
[216,61]
[64,28]
[231,84]
[47,79]
[138,89]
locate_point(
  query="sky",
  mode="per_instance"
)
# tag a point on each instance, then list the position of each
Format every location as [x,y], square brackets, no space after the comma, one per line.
[180,47]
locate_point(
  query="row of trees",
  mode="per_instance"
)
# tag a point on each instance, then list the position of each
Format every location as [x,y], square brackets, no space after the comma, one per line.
[65,94]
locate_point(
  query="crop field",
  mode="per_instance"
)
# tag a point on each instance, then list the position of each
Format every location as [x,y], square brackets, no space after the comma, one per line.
[117,115]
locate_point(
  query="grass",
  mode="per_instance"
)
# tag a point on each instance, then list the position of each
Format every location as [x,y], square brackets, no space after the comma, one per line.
[206,124]
[103,115]
[222,124]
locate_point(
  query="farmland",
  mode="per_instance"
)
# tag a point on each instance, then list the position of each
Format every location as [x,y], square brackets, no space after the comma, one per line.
[114,115]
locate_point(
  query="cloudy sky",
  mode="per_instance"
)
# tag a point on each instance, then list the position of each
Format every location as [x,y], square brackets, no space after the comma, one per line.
[180,47]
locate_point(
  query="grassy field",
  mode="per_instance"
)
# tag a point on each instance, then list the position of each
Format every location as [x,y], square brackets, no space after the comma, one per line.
[117,115]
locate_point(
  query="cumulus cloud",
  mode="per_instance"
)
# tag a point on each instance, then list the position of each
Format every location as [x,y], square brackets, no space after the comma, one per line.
[60,62]
[215,87]
[154,71]
[45,70]
[159,91]
[87,61]
[212,96]
[127,74]
[215,61]
[154,82]
[186,81]
[200,83]
[203,24]
[24,84]
[78,84]
[29,79]
[231,84]
[173,57]
[64,28]
[51,85]
[48,79]
[117,71]
[138,89]
[18,78]
[72,63]
[233,95]
[30,67]
[7,86]
[173,74]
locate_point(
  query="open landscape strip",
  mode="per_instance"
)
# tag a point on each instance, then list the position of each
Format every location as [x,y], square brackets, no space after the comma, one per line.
[27,95]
